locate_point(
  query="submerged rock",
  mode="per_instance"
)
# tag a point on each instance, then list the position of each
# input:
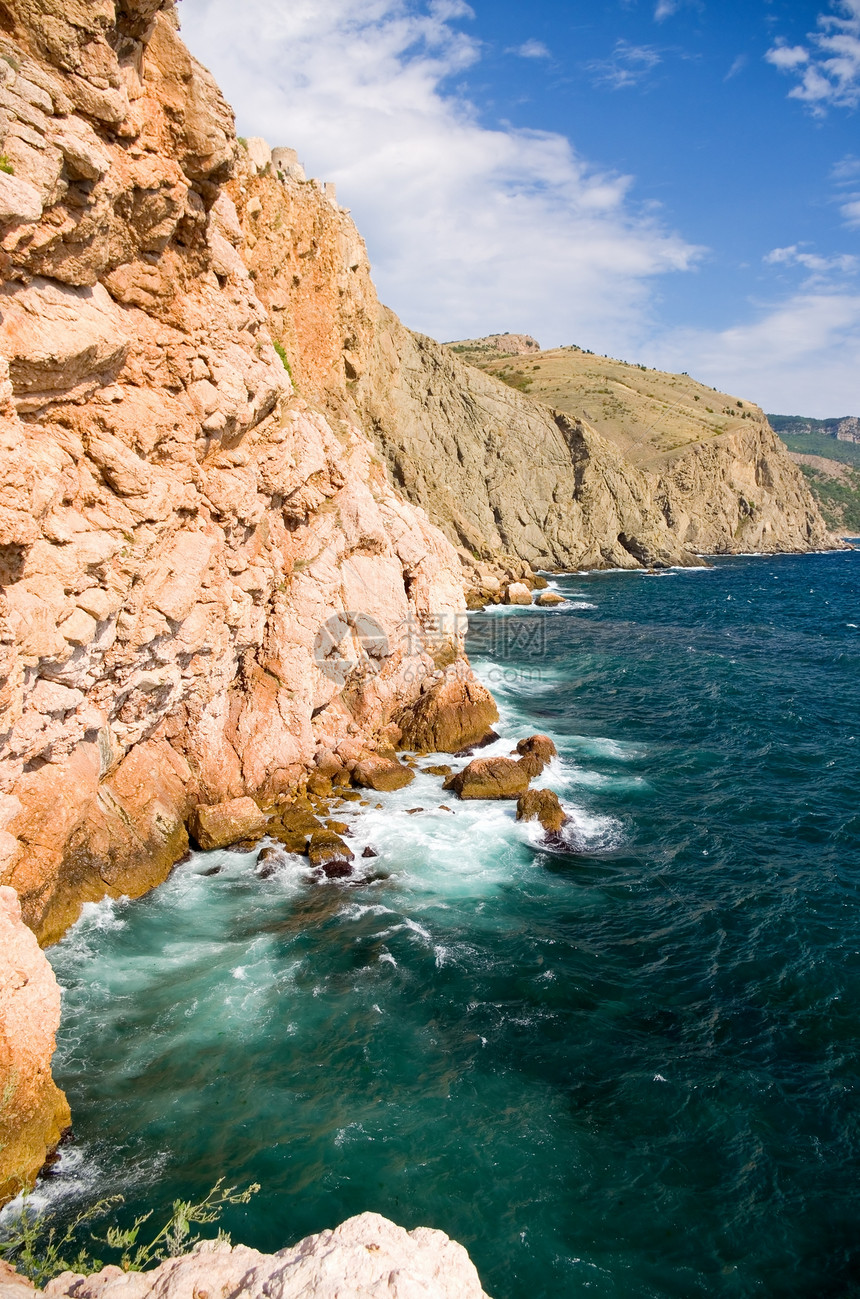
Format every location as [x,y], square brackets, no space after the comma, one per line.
[294,827]
[325,848]
[483,743]
[366,1257]
[542,805]
[489,778]
[382,774]
[218,825]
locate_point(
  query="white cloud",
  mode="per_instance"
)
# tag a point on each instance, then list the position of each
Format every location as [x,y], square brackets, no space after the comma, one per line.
[828,69]
[738,66]
[628,65]
[471,229]
[843,263]
[846,175]
[668,8]
[787,57]
[532,50]
[800,356]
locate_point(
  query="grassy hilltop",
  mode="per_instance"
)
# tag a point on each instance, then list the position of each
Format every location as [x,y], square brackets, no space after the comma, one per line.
[650,415]
[654,416]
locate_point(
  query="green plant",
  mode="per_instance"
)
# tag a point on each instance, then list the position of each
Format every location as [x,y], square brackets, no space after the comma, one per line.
[5,165]
[39,1249]
[279,348]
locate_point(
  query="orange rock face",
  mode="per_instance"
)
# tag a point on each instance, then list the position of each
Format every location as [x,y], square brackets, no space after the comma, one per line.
[490,778]
[207,578]
[34,1112]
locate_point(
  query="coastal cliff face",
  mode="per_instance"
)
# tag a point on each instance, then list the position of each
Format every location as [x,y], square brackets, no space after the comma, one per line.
[177,525]
[502,474]
[34,1112]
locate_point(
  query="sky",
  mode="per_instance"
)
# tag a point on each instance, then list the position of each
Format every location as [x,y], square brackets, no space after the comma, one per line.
[672,182]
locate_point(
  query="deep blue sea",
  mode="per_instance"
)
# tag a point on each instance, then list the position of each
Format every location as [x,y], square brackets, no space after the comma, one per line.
[625,1072]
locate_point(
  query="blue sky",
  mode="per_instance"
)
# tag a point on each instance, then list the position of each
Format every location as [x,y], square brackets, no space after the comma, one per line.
[675,182]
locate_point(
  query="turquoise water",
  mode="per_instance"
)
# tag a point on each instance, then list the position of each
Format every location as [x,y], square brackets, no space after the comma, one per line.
[631,1071]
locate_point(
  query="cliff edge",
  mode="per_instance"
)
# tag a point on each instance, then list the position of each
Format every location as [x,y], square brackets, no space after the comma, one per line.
[191,553]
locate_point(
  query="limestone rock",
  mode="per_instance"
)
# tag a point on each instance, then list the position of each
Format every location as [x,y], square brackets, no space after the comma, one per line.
[540,745]
[327,849]
[180,531]
[379,773]
[548,599]
[518,593]
[500,473]
[489,778]
[452,714]
[20,203]
[542,805]
[366,1257]
[294,828]
[34,1113]
[13,1285]
[220,824]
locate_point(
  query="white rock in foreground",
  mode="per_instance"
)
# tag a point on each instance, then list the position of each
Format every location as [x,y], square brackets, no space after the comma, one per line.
[366,1257]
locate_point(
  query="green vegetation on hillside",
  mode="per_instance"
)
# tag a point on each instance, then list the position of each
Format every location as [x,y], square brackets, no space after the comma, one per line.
[839,500]
[805,425]
[819,444]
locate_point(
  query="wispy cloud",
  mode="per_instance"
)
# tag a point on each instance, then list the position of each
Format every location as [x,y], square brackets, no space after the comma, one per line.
[800,355]
[531,49]
[665,9]
[841,263]
[628,65]
[668,8]
[827,67]
[846,178]
[470,228]
[737,67]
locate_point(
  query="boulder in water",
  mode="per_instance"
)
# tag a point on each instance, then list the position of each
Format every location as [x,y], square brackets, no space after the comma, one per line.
[381,773]
[542,805]
[451,714]
[518,593]
[326,848]
[217,825]
[548,599]
[540,745]
[489,778]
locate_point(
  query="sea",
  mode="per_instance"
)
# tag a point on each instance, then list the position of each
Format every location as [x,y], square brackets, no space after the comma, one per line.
[626,1070]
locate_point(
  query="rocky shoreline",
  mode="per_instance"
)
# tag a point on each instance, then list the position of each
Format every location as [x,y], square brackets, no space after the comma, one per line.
[244,511]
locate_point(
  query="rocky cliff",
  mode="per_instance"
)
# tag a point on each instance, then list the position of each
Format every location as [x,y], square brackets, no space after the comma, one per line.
[33,1112]
[366,1257]
[216,445]
[179,525]
[710,463]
